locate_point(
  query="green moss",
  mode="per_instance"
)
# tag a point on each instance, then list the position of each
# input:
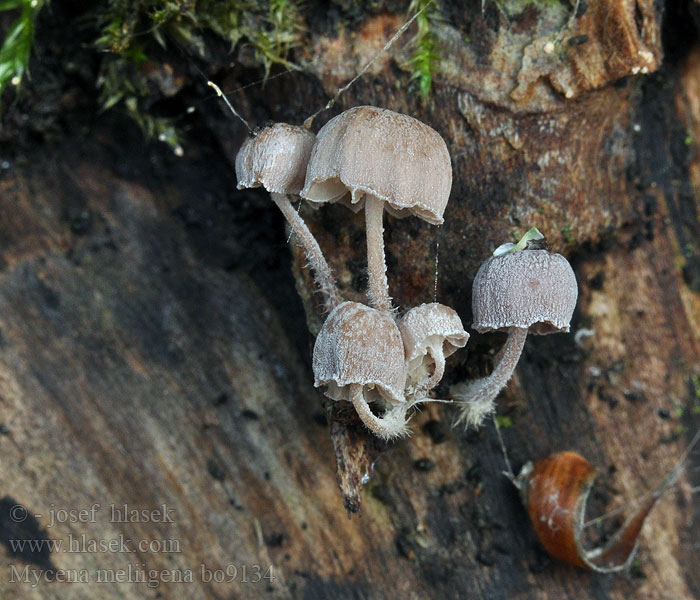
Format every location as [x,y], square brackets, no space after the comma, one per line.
[504,421]
[130,32]
[695,382]
[17,45]
[567,233]
[425,61]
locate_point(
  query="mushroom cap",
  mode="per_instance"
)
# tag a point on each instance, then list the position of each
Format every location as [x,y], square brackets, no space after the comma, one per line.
[532,289]
[393,157]
[431,325]
[360,345]
[276,159]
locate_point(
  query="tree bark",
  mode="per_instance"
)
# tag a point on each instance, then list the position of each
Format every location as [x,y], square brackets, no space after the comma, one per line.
[154,352]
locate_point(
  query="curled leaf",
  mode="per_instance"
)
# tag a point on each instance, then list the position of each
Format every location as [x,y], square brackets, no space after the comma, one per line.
[555,491]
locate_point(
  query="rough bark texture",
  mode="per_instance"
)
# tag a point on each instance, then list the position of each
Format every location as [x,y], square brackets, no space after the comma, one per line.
[153,349]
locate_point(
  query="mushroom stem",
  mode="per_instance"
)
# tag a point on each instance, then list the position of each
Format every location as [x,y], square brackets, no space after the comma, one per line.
[376,264]
[477,397]
[322,272]
[438,372]
[391,425]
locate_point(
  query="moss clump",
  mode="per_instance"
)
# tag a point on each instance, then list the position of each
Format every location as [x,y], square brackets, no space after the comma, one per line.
[132,32]
[271,27]
[135,41]
[425,61]
[17,45]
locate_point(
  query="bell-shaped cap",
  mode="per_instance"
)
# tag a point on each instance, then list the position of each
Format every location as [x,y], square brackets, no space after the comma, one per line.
[532,289]
[360,345]
[393,157]
[276,159]
[433,326]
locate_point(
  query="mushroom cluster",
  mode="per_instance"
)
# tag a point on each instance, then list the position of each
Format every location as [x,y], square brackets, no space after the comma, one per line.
[375,159]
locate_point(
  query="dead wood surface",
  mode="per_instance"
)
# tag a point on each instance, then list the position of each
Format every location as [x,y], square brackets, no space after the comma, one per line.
[154,351]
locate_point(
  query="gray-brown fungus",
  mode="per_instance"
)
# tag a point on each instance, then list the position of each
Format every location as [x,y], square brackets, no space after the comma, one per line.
[375,158]
[276,159]
[519,292]
[359,357]
[431,332]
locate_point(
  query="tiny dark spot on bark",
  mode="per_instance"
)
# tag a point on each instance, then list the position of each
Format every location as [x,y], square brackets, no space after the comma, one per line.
[437,431]
[423,464]
[274,540]
[267,476]
[474,474]
[687,274]
[381,493]
[189,215]
[649,230]
[501,548]
[251,415]
[617,367]
[216,470]
[636,241]
[221,399]
[329,223]
[320,419]
[604,395]
[80,222]
[582,8]
[404,545]
[636,570]
[669,439]
[392,262]
[638,19]
[486,558]
[650,205]
[540,561]
[450,488]
[597,281]
[473,436]
[49,296]
[304,526]
[4,429]
[635,396]
[578,40]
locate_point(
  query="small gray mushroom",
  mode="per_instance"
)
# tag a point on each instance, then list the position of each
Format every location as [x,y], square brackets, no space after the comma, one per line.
[430,332]
[359,357]
[276,159]
[373,157]
[519,292]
